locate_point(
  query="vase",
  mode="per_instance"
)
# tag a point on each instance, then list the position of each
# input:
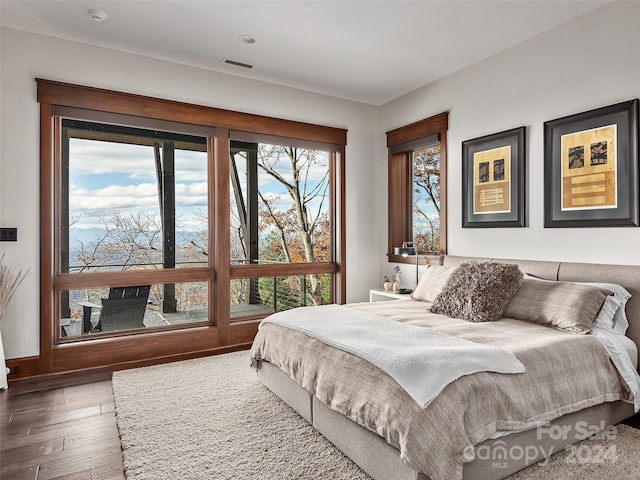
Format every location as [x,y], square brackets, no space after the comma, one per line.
[388,286]
[398,282]
[4,384]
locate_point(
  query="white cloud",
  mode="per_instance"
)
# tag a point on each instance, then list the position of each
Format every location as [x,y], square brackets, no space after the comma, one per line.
[89,205]
[89,157]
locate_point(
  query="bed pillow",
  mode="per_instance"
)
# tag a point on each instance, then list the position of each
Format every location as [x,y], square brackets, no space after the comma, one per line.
[612,315]
[431,283]
[478,291]
[567,306]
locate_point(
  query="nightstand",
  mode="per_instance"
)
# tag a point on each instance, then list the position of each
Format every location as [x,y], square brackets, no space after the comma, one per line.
[380,295]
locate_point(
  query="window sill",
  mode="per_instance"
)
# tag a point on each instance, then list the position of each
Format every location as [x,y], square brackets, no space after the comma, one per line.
[425,259]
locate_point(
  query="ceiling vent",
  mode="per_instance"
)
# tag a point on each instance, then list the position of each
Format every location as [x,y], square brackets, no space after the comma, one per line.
[228,61]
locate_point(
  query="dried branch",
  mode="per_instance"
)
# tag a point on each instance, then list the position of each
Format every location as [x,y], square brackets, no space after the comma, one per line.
[10,280]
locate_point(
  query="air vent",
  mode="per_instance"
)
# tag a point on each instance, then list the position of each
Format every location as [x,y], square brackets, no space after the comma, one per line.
[237,64]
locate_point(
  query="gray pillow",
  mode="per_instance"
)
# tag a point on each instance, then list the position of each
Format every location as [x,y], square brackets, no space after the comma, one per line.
[478,291]
[567,306]
[431,283]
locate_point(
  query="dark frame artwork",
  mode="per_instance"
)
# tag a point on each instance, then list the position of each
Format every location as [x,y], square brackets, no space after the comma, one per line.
[493,180]
[591,168]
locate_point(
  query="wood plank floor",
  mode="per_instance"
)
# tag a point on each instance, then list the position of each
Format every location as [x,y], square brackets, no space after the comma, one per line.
[66,431]
[59,431]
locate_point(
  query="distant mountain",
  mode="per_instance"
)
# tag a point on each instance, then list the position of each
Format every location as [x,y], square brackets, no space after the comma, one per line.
[84,235]
[88,237]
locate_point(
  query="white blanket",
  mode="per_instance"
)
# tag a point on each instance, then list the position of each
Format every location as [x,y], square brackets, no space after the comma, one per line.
[421,360]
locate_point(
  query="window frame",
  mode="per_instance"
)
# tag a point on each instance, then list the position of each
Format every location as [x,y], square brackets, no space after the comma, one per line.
[126,126]
[146,348]
[401,142]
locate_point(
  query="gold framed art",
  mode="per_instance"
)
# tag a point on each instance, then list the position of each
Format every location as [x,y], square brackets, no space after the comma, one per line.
[591,168]
[493,186]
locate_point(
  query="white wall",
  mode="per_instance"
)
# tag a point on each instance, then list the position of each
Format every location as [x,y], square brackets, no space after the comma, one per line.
[25,56]
[588,63]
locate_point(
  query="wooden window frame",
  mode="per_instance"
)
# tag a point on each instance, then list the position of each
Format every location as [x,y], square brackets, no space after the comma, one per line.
[400,189]
[140,349]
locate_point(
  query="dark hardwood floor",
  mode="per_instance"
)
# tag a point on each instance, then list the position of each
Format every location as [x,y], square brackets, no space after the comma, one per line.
[55,429]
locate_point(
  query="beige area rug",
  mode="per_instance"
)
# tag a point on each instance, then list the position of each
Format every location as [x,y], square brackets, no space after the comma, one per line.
[211,418]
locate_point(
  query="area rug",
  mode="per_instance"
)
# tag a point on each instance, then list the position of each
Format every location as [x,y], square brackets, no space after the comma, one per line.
[211,418]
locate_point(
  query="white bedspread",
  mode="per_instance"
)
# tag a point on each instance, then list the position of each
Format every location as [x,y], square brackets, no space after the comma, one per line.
[422,361]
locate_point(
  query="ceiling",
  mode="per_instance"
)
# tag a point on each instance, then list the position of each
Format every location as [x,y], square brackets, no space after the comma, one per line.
[367,51]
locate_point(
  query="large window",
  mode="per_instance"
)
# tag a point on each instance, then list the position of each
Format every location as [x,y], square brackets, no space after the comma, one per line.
[135,199]
[132,200]
[168,230]
[281,214]
[280,205]
[417,188]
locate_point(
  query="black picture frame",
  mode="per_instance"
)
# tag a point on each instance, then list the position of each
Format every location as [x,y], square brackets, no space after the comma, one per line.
[591,168]
[491,199]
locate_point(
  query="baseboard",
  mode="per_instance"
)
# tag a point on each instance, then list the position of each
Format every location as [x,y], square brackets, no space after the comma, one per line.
[23,367]
[25,370]
[180,357]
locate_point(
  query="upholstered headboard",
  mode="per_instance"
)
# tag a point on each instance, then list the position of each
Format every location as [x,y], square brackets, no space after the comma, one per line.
[626,275]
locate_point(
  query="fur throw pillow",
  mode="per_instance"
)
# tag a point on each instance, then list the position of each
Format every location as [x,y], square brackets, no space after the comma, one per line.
[478,291]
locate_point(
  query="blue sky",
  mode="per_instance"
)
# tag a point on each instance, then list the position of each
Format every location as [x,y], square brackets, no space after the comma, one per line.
[425,204]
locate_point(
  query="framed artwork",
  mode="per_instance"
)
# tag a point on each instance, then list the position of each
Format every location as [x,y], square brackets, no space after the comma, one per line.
[493,180]
[591,168]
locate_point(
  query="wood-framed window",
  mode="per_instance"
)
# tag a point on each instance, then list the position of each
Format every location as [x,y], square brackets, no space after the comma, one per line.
[156,180]
[418,188]
[281,215]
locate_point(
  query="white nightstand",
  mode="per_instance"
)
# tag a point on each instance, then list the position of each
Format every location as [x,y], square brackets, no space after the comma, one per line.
[380,295]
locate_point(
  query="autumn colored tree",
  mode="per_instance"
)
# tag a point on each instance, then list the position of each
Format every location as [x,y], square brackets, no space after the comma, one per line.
[303,227]
[426,181]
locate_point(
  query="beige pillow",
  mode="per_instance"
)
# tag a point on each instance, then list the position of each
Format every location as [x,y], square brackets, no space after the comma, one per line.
[567,306]
[478,291]
[431,283]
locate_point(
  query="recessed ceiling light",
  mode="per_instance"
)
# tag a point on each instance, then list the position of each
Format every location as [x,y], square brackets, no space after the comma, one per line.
[248,39]
[97,15]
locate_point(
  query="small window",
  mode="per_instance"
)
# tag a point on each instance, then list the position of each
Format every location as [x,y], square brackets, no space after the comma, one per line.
[265,295]
[417,188]
[426,199]
[118,309]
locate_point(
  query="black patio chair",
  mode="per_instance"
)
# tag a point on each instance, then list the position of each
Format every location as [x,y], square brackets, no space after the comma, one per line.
[123,310]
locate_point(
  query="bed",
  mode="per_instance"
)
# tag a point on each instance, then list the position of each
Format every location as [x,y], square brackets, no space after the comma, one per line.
[473,429]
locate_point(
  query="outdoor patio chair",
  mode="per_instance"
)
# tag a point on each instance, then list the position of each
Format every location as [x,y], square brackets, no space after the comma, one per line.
[123,310]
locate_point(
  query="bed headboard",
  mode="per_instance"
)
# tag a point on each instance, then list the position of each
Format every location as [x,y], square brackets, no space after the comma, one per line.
[626,275]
